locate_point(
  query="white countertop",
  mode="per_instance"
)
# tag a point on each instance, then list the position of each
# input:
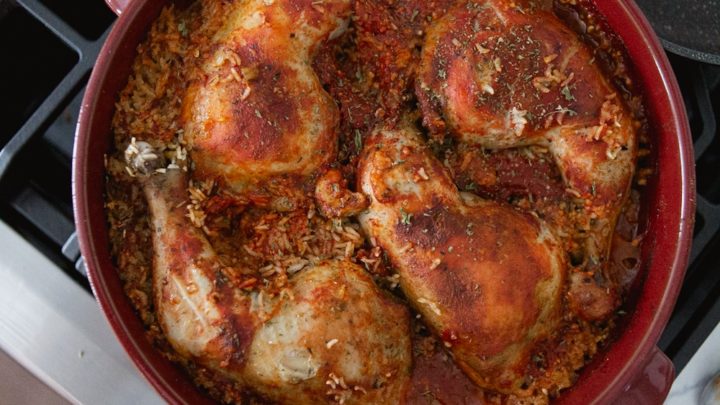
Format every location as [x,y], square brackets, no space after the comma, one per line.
[702,367]
[56,330]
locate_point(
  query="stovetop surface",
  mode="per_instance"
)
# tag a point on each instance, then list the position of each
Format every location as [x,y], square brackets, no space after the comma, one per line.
[51,46]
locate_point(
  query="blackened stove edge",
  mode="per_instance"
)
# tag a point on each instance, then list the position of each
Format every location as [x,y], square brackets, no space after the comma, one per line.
[697,311]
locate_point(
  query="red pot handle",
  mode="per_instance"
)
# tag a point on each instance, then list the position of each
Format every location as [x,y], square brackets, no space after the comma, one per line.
[652,384]
[117,6]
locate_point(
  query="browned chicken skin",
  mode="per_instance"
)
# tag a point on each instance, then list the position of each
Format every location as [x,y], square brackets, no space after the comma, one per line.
[486,278]
[257,110]
[332,323]
[334,199]
[501,74]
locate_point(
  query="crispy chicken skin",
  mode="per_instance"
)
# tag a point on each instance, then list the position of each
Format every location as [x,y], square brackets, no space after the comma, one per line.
[334,199]
[332,334]
[257,109]
[485,277]
[501,74]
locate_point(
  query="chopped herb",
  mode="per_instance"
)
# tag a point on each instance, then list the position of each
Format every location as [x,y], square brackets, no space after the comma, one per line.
[414,14]
[566,92]
[471,186]
[405,218]
[358,140]
[257,113]
[561,110]
[442,74]
[592,189]
[183,29]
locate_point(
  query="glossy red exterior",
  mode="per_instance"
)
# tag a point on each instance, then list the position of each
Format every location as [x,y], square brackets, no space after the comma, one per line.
[632,369]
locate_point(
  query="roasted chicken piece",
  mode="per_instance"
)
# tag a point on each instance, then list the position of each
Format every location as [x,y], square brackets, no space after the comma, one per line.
[334,199]
[486,278]
[331,335]
[257,109]
[503,74]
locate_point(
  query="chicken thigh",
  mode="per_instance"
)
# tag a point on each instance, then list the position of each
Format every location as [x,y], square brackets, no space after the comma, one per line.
[257,110]
[502,74]
[485,277]
[331,335]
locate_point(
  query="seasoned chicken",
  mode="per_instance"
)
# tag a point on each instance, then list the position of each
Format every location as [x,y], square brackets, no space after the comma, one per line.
[330,335]
[257,110]
[502,74]
[334,199]
[485,277]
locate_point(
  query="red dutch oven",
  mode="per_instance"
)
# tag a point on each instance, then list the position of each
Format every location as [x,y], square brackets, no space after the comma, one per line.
[631,370]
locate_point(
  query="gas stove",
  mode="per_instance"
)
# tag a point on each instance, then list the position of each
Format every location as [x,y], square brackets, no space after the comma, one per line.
[49,321]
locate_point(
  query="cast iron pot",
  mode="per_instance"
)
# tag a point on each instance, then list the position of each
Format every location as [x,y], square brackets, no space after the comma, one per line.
[631,370]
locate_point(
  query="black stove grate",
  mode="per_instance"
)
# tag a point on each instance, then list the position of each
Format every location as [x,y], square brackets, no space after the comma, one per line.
[51,47]
[697,311]
[44,89]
